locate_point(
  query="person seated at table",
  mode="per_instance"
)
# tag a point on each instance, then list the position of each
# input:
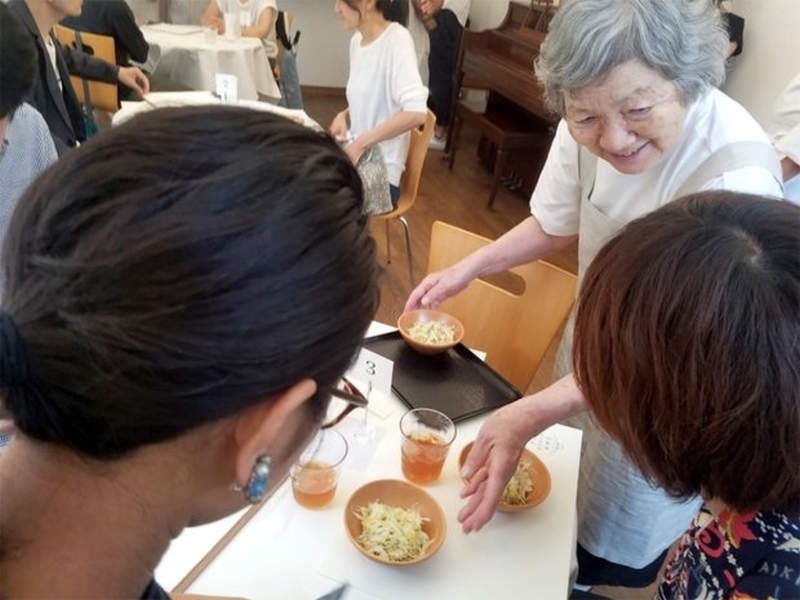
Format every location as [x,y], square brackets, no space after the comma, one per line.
[686,353]
[385,95]
[53,95]
[169,338]
[113,18]
[256,17]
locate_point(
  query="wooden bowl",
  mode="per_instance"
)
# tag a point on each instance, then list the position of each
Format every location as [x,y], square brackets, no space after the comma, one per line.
[539,474]
[404,495]
[408,319]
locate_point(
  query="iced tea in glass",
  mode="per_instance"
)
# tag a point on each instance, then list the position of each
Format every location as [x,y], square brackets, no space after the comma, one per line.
[427,437]
[316,474]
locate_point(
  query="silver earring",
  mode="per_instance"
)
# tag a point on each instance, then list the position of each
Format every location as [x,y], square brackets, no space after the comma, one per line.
[257,484]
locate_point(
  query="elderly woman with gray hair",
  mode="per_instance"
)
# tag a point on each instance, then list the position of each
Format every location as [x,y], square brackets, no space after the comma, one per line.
[643,123]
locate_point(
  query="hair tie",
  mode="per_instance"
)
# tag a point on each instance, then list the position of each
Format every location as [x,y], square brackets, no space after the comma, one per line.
[13,357]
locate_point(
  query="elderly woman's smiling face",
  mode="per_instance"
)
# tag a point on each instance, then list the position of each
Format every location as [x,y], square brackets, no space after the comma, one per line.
[630,118]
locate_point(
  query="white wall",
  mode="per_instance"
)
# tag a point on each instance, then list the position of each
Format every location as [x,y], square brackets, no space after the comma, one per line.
[771,56]
[323,54]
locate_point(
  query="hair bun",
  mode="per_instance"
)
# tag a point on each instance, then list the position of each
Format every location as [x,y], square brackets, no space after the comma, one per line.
[13,357]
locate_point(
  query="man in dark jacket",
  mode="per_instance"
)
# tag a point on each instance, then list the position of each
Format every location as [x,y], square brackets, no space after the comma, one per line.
[53,95]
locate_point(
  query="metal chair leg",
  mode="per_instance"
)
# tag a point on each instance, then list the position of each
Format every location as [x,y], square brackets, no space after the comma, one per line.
[408,250]
[388,243]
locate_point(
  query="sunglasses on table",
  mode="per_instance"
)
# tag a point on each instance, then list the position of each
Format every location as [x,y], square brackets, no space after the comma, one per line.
[354,399]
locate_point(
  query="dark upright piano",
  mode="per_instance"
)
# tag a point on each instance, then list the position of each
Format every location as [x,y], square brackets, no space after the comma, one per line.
[516,127]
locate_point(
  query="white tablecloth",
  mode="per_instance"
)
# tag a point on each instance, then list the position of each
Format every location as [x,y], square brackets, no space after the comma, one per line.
[163,99]
[186,57]
[292,553]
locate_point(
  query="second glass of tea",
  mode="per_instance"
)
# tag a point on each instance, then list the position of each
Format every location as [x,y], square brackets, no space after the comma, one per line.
[427,436]
[316,473]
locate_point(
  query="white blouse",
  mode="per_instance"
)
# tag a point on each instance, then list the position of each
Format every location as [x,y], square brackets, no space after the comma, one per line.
[384,80]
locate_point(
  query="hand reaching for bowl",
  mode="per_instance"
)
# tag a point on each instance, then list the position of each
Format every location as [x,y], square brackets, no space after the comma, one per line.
[496,452]
[439,286]
[490,465]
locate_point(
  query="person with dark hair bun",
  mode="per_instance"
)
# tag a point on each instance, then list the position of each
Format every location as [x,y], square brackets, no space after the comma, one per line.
[686,351]
[177,315]
[385,95]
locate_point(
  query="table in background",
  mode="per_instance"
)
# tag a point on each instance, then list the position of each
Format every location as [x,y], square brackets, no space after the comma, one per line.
[289,552]
[185,56]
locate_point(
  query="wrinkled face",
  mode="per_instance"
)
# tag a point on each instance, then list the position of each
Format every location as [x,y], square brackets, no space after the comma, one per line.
[350,17]
[630,118]
[68,8]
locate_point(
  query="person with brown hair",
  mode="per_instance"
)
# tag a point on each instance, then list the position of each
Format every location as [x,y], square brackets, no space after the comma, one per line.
[177,316]
[686,351]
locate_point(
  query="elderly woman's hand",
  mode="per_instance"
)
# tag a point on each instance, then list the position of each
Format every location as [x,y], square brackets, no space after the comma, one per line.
[491,463]
[439,286]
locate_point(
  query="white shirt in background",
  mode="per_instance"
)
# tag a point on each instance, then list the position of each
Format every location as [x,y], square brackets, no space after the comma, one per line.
[713,121]
[250,12]
[383,81]
[50,45]
[460,8]
[785,132]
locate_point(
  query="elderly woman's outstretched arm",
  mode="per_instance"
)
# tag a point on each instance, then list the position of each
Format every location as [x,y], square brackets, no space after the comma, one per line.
[524,243]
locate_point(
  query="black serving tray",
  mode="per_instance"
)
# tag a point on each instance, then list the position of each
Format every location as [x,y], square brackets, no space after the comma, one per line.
[455,382]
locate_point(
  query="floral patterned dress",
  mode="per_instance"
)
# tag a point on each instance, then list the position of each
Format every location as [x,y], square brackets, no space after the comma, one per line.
[736,557]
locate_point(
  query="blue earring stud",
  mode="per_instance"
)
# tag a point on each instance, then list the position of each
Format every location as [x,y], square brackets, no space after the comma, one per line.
[259,477]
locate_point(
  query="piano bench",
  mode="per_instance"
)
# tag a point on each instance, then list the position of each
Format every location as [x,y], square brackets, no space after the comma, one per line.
[507,130]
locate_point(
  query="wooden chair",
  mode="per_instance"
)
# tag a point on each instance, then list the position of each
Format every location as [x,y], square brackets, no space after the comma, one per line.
[514,330]
[409,186]
[104,95]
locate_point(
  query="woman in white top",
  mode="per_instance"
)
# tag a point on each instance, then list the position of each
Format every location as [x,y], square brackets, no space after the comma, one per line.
[256,17]
[643,123]
[385,95]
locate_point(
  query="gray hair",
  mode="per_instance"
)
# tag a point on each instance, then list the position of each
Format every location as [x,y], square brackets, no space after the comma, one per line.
[684,40]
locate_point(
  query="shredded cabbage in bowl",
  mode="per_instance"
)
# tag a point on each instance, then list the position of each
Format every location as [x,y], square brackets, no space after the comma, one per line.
[392,533]
[433,332]
[520,486]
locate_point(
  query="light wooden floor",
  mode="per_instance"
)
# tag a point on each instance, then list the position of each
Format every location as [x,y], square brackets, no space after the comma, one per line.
[458,197]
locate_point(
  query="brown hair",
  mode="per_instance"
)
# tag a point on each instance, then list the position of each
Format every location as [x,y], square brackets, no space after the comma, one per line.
[687,347]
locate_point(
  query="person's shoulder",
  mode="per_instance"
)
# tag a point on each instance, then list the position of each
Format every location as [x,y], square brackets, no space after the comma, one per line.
[30,121]
[725,121]
[27,117]
[398,38]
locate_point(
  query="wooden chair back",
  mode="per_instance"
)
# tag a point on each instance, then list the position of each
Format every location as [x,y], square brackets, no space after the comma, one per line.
[417,151]
[104,95]
[514,330]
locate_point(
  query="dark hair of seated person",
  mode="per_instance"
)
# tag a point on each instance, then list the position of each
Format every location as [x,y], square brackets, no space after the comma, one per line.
[686,348]
[392,10]
[17,63]
[179,269]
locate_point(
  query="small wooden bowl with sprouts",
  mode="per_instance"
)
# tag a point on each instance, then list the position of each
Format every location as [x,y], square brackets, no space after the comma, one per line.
[430,331]
[528,487]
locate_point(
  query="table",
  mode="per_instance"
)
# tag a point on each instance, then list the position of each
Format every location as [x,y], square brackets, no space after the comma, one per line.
[182,54]
[288,552]
[163,99]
